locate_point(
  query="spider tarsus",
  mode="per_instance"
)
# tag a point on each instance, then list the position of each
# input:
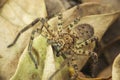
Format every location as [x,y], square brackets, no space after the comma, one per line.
[36,66]
[10,45]
[95,59]
[57,54]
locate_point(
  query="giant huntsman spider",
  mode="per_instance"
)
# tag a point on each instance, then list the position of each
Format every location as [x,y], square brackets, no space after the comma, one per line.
[66,42]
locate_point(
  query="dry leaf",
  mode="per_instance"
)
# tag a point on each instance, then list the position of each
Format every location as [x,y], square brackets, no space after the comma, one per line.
[26,69]
[106,72]
[99,31]
[116,68]
[113,3]
[12,19]
[54,7]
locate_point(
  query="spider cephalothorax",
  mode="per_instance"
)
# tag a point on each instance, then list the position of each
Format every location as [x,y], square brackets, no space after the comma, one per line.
[63,43]
[69,41]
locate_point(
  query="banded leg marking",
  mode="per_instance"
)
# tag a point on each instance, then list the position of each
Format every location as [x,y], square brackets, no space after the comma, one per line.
[71,25]
[74,73]
[30,45]
[60,22]
[38,30]
[87,53]
[89,41]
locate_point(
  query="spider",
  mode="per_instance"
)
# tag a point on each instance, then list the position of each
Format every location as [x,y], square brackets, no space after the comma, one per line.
[67,42]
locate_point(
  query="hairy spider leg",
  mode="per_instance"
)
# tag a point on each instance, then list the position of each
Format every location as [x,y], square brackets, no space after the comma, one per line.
[38,30]
[78,46]
[71,25]
[60,22]
[74,73]
[78,51]
[23,30]
[69,28]
[73,68]
[82,44]
[30,45]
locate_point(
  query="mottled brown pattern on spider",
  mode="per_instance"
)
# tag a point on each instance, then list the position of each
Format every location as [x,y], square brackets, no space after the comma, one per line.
[82,32]
[75,37]
[68,42]
[72,44]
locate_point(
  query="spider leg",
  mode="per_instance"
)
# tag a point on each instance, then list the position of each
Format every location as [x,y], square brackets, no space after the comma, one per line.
[73,68]
[78,51]
[87,53]
[23,30]
[71,25]
[30,45]
[80,44]
[38,30]
[60,22]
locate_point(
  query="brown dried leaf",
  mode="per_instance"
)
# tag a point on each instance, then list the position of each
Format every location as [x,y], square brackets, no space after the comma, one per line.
[116,68]
[94,20]
[54,7]
[100,23]
[114,4]
[12,19]
[106,72]
[2,2]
